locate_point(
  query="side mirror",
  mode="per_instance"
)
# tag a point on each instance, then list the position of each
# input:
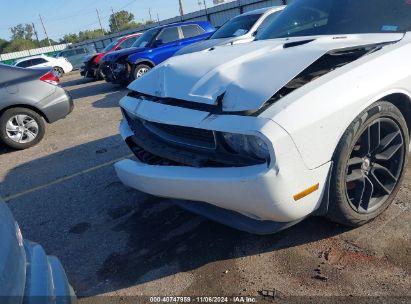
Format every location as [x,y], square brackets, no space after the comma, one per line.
[119,48]
[158,43]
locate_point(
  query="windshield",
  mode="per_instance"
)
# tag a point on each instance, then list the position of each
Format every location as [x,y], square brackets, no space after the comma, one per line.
[335,17]
[110,46]
[145,39]
[237,26]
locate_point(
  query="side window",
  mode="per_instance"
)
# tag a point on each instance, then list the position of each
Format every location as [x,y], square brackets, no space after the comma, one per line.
[69,53]
[24,64]
[80,51]
[169,34]
[267,21]
[192,30]
[128,43]
[37,61]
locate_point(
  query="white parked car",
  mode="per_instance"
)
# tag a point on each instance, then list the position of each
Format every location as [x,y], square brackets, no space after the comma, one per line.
[312,118]
[59,65]
[240,29]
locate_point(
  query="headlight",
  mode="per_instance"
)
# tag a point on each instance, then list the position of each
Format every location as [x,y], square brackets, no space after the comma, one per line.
[248,145]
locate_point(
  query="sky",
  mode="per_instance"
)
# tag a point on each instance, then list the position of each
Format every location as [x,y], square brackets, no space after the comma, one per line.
[71,16]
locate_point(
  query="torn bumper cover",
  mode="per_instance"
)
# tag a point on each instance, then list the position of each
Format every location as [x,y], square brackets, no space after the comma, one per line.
[260,192]
[115,72]
[89,69]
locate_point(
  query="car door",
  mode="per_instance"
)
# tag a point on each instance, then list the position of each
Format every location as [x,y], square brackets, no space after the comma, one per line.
[167,43]
[191,33]
[39,63]
[78,56]
[69,55]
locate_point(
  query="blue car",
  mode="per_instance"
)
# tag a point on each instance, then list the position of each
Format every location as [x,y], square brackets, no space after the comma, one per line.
[152,48]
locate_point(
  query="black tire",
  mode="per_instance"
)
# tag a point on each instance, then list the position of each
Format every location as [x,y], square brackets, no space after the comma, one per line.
[344,195]
[99,74]
[137,71]
[5,136]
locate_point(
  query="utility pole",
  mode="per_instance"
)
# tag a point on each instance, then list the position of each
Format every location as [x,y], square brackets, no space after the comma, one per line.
[180,2]
[35,33]
[99,20]
[115,19]
[45,32]
[206,10]
[158,19]
[149,12]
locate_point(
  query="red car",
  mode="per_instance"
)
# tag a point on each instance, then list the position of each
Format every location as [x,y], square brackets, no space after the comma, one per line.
[91,64]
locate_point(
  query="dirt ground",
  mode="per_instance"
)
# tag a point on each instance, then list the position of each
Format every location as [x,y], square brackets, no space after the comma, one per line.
[116,241]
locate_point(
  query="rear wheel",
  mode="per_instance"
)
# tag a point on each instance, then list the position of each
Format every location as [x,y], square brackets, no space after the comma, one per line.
[58,71]
[369,165]
[140,70]
[21,128]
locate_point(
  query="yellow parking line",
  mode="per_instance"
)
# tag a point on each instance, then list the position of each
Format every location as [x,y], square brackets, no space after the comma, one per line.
[63,179]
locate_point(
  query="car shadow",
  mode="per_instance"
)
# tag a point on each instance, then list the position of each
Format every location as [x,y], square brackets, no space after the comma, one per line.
[111,100]
[93,89]
[110,237]
[5,150]
[69,83]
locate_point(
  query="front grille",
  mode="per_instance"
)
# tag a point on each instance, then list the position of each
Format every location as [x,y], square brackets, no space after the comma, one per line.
[194,137]
[149,158]
[166,145]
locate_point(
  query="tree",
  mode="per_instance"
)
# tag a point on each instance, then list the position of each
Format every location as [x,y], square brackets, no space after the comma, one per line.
[121,20]
[17,45]
[89,34]
[70,38]
[22,32]
[3,45]
[81,36]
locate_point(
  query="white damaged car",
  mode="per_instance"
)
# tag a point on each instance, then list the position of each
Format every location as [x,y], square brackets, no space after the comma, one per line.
[311,119]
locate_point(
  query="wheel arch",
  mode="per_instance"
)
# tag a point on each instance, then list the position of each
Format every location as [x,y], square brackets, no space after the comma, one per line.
[30,107]
[403,102]
[145,61]
[400,99]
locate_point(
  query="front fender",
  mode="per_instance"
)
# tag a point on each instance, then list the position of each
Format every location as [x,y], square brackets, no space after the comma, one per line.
[317,115]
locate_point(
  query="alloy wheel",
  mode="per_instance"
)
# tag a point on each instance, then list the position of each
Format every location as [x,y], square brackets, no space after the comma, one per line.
[141,71]
[375,165]
[58,72]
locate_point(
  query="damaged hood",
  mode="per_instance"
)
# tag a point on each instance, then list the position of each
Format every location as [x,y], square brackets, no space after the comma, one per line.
[113,56]
[245,76]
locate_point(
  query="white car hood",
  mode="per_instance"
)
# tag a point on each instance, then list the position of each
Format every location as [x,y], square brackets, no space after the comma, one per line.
[247,75]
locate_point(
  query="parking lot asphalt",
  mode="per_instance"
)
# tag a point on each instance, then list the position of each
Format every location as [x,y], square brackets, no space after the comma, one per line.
[113,240]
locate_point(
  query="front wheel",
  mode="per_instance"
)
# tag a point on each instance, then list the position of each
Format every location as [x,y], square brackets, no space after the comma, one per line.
[140,70]
[21,128]
[369,165]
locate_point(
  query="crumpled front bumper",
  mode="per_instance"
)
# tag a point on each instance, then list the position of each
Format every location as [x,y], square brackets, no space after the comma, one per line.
[114,72]
[261,192]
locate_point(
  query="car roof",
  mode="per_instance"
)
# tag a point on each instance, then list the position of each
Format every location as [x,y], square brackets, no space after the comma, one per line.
[264,10]
[32,57]
[201,23]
